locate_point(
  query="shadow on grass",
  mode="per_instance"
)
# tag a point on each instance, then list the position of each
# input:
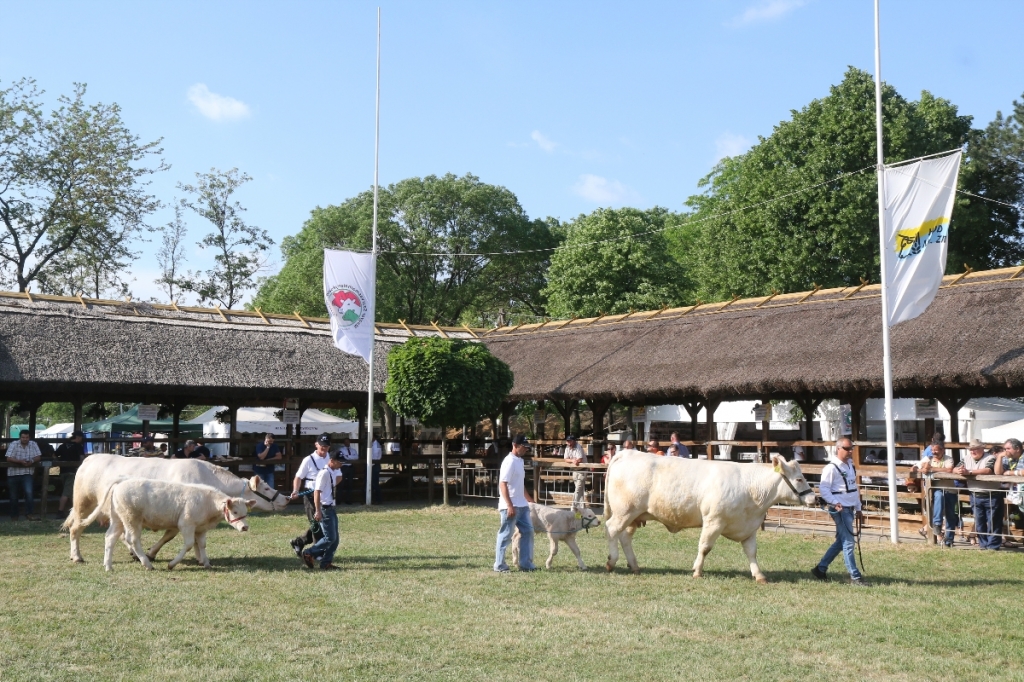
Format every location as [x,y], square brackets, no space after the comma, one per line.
[838,579]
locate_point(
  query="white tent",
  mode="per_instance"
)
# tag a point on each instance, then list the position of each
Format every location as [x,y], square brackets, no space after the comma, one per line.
[57,431]
[262,420]
[1000,434]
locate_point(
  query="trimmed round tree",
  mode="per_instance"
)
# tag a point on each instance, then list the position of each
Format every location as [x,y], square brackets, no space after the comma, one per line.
[444,383]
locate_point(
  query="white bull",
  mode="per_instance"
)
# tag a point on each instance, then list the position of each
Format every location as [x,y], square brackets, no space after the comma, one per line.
[191,510]
[722,498]
[100,471]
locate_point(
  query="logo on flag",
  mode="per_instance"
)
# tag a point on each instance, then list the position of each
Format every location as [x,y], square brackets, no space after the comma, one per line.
[918,208]
[348,304]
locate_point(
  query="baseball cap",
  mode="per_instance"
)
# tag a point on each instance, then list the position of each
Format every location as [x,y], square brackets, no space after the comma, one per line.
[324,439]
[336,456]
[520,440]
[76,434]
[571,436]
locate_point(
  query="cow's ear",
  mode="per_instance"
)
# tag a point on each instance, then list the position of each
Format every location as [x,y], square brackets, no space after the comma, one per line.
[778,460]
[250,503]
[254,482]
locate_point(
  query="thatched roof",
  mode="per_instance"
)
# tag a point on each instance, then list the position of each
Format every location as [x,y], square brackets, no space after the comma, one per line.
[53,348]
[970,342]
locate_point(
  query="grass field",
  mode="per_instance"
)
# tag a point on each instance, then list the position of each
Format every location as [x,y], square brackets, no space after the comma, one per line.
[418,601]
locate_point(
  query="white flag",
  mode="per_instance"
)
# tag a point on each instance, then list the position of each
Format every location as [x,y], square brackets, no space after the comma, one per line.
[918,207]
[349,282]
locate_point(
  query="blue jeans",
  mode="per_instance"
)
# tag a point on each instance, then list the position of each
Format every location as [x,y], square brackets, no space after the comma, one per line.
[266,473]
[945,505]
[988,519]
[24,482]
[325,547]
[845,543]
[522,521]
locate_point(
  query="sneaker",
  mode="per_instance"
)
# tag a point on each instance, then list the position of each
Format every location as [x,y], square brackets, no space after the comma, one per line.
[860,582]
[297,546]
[504,569]
[527,570]
[818,573]
[308,560]
[330,567]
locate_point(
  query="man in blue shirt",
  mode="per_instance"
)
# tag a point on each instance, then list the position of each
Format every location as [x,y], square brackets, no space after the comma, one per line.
[267,451]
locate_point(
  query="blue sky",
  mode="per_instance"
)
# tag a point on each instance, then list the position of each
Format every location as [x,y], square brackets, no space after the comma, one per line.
[571,105]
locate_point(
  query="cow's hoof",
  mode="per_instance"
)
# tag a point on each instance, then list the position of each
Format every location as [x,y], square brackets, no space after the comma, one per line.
[77,560]
[698,574]
[148,568]
[762,580]
[635,571]
[608,567]
[583,568]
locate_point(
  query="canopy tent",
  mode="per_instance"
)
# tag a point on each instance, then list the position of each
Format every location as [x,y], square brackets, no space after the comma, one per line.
[1000,434]
[57,431]
[129,422]
[263,420]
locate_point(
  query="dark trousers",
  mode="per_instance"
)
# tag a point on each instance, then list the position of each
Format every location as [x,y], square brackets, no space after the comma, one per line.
[310,536]
[376,483]
[988,519]
[347,474]
[24,482]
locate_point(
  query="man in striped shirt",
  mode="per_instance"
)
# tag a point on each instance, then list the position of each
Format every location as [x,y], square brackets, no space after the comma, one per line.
[26,453]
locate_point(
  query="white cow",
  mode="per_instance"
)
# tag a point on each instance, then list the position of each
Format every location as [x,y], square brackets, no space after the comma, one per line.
[722,498]
[100,471]
[561,525]
[192,510]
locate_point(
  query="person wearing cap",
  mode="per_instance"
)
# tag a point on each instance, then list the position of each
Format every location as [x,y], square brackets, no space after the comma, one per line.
[25,453]
[311,465]
[986,498]
[349,455]
[575,455]
[267,451]
[326,515]
[514,508]
[147,448]
[69,451]
[945,503]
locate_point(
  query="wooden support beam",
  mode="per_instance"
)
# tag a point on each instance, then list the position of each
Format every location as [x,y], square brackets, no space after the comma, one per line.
[569,321]
[260,313]
[696,305]
[1017,274]
[728,303]
[81,299]
[863,283]
[775,292]
[406,327]
[967,270]
[301,319]
[471,332]
[655,314]
[817,288]
[599,317]
[440,331]
[221,313]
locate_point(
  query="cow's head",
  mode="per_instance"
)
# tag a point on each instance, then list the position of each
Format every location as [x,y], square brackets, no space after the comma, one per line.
[236,510]
[265,497]
[588,519]
[796,489]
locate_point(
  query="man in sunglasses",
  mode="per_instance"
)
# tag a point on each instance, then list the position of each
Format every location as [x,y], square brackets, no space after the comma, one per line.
[839,489]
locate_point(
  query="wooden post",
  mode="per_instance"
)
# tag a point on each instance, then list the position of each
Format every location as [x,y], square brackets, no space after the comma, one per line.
[856,404]
[693,409]
[711,405]
[32,421]
[539,426]
[430,481]
[765,429]
[953,406]
[233,449]
[598,408]
[444,466]
[78,414]
[176,427]
[537,471]
[507,410]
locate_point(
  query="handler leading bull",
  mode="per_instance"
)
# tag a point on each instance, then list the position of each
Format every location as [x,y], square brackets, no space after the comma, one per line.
[722,498]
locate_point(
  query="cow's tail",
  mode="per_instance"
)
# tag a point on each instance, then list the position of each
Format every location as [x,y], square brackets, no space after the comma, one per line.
[103,503]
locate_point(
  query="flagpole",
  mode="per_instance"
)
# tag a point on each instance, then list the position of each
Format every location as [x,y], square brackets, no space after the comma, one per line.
[890,437]
[373,252]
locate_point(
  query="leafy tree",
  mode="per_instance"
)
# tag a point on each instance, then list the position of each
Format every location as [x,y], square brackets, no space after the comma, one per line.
[171,255]
[445,382]
[238,248]
[612,261]
[442,216]
[792,237]
[95,268]
[72,183]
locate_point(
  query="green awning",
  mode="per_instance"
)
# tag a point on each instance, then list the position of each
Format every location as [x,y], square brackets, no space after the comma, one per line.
[129,422]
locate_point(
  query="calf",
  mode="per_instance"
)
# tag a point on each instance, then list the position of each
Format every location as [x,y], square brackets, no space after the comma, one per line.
[192,510]
[561,525]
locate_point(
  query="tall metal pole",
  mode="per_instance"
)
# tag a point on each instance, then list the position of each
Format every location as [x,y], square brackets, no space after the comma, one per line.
[890,436]
[373,275]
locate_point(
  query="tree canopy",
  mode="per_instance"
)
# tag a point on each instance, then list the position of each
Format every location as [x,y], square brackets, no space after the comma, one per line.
[612,261]
[441,216]
[446,382]
[795,211]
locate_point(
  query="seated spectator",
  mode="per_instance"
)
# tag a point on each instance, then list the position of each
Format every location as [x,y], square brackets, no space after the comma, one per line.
[267,451]
[609,452]
[573,451]
[628,444]
[202,451]
[652,447]
[680,448]
[186,451]
[1014,450]
[986,498]
[70,450]
[147,448]
[945,503]
[673,451]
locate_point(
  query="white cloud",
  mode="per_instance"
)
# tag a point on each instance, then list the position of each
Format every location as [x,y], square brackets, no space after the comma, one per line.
[216,107]
[603,191]
[767,10]
[543,142]
[730,144]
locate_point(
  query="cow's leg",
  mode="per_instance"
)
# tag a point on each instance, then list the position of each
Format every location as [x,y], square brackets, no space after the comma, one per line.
[201,550]
[113,534]
[188,535]
[515,548]
[750,549]
[75,530]
[627,547]
[708,535]
[613,526]
[553,551]
[134,534]
[168,536]
[571,541]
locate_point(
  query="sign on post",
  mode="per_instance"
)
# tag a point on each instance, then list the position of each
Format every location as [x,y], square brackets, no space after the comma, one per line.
[148,413]
[845,420]
[763,413]
[290,416]
[926,408]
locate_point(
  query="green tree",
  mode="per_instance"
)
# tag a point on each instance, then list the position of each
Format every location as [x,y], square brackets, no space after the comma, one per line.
[239,249]
[612,261]
[71,183]
[446,382]
[441,216]
[171,256]
[791,237]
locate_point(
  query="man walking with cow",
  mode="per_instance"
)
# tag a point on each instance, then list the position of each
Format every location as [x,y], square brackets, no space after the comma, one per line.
[514,507]
[841,494]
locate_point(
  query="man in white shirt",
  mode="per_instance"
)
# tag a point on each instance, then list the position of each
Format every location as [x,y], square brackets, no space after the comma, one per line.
[839,489]
[375,473]
[350,455]
[305,477]
[326,515]
[986,498]
[514,507]
[25,453]
[575,455]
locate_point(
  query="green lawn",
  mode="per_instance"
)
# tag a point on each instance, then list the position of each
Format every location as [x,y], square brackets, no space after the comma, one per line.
[418,600]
